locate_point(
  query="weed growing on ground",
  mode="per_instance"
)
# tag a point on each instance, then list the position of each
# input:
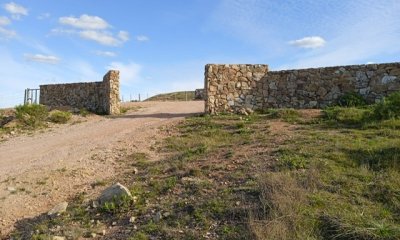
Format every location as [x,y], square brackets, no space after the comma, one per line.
[57,116]
[33,115]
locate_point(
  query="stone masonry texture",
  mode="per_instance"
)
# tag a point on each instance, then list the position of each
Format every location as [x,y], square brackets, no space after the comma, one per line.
[99,97]
[231,87]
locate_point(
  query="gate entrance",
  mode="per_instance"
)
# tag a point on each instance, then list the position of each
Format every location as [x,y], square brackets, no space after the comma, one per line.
[31,96]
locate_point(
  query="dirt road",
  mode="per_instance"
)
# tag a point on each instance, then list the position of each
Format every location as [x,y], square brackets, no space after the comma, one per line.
[39,171]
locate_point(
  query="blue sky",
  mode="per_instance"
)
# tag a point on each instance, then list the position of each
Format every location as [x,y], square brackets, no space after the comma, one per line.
[162,46]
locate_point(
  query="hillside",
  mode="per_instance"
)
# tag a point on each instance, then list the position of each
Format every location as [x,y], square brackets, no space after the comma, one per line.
[174,96]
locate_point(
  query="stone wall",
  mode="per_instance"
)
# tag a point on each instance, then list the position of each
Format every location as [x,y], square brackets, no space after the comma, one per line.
[230,88]
[99,97]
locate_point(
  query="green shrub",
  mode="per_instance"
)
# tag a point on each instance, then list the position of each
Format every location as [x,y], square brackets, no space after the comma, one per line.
[83,112]
[350,115]
[389,108]
[32,115]
[60,116]
[351,99]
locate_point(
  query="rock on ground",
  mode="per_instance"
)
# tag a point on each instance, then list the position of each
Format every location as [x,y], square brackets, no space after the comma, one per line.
[113,193]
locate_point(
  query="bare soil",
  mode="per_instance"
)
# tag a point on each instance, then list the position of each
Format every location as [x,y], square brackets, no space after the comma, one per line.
[39,171]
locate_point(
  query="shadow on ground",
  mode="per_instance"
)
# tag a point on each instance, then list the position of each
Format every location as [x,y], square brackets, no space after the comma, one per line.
[157,115]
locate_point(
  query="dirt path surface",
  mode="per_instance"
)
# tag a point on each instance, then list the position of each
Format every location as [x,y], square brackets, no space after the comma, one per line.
[39,171]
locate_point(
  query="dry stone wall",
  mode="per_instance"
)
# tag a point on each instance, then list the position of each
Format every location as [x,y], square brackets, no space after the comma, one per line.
[232,87]
[100,97]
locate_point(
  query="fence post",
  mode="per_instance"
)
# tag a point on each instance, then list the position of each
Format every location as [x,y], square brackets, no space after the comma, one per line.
[36,100]
[25,97]
[139,97]
[186,96]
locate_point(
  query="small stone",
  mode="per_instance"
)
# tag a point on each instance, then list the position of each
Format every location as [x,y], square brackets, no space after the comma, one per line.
[58,209]
[158,217]
[135,171]
[132,219]
[114,223]
[93,235]
[237,203]
[95,204]
[11,189]
[249,111]
[103,232]
[167,214]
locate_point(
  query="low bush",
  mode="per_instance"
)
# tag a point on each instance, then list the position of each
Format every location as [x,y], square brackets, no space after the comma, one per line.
[60,116]
[389,108]
[32,115]
[351,99]
[347,115]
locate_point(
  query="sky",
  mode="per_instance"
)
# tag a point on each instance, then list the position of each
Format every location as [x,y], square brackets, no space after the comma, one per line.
[162,46]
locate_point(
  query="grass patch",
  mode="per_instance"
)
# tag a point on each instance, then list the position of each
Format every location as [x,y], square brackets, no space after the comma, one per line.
[32,116]
[286,114]
[58,116]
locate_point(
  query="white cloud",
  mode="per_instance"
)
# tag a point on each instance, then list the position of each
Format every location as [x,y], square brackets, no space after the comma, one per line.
[309,42]
[129,72]
[105,53]
[43,16]
[123,35]
[7,34]
[42,58]
[60,31]
[85,22]
[4,21]
[351,44]
[15,10]
[142,38]
[91,28]
[101,37]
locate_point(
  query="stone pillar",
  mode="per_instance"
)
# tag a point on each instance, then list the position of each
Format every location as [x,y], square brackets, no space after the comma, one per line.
[231,87]
[111,87]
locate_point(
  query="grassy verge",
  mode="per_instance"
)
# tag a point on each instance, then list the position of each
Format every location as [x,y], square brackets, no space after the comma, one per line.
[234,177]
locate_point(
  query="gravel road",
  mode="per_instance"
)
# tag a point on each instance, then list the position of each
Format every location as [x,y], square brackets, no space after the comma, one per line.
[48,167]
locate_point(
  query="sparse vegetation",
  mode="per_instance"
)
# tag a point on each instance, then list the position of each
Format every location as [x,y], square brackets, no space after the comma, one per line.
[33,115]
[286,114]
[58,116]
[84,112]
[175,96]
[125,109]
[235,177]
